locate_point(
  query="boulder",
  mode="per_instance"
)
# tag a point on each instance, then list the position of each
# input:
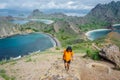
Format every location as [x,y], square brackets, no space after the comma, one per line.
[112,53]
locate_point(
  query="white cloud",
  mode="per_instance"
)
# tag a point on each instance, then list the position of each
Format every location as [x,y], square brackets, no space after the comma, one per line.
[75,14]
[86,7]
[51,4]
[30,5]
[3,5]
[65,5]
[70,2]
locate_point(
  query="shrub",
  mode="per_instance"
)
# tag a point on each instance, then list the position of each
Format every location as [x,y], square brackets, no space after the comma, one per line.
[5,76]
[93,54]
[3,62]
[28,60]
[57,48]
[2,71]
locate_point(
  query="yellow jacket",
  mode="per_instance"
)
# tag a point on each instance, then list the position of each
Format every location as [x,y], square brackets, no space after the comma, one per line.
[67,55]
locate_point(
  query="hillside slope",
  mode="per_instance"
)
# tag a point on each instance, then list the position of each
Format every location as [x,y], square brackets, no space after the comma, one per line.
[99,17]
[105,12]
[48,65]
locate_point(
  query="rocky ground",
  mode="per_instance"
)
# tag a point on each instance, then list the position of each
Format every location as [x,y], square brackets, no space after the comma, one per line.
[48,65]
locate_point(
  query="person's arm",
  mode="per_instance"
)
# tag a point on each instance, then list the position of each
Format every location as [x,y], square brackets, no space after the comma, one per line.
[63,54]
[72,55]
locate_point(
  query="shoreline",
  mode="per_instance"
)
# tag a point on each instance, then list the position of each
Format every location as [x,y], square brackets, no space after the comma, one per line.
[89,33]
[57,42]
[14,34]
[53,39]
[2,37]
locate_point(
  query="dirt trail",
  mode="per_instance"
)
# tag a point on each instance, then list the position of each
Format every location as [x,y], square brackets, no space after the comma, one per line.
[57,71]
[49,66]
[81,69]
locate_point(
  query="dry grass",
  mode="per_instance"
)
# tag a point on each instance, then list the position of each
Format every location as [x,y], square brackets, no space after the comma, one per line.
[49,65]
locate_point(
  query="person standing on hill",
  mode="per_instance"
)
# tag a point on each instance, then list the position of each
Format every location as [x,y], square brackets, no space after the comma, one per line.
[67,57]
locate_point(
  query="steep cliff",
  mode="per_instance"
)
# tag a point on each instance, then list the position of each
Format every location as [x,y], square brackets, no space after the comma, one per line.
[7,29]
[105,12]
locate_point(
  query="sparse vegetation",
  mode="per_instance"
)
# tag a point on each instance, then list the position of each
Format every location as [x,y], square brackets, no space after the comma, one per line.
[50,61]
[5,76]
[92,26]
[57,48]
[28,59]
[93,54]
[3,61]
[13,62]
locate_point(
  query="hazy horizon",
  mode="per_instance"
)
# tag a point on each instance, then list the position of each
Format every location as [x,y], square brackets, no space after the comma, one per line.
[69,7]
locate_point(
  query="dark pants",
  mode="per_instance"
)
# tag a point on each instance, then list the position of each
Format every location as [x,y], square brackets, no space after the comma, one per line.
[67,61]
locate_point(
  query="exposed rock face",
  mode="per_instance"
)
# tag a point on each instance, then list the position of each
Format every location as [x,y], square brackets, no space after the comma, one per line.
[106,12]
[64,27]
[8,29]
[112,53]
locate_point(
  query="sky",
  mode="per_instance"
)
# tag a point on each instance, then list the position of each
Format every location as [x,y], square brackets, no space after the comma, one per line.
[51,4]
[68,7]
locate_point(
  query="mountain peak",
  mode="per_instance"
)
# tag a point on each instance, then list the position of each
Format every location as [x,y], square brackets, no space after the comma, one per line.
[37,11]
[106,12]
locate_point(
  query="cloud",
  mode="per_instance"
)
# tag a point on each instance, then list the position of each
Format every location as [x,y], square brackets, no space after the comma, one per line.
[65,5]
[51,4]
[75,14]
[70,2]
[3,5]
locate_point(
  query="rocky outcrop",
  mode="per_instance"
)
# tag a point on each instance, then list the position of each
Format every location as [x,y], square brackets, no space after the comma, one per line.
[8,29]
[112,53]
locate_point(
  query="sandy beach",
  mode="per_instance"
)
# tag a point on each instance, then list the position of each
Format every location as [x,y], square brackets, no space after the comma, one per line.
[90,33]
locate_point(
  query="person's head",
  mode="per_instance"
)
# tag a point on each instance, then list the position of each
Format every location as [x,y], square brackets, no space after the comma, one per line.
[69,48]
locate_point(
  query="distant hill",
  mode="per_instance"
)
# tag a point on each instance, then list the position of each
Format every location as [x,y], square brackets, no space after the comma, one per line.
[39,14]
[99,17]
[14,13]
[105,12]
[69,12]
[36,12]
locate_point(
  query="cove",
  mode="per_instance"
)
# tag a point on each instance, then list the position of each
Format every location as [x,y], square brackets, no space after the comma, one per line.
[98,33]
[95,34]
[20,45]
[21,22]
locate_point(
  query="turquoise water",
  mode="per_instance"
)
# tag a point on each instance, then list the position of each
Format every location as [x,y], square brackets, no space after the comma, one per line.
[45,21]
[95,34]
[19,21]
[20,45]
[98,33]
[117,27]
